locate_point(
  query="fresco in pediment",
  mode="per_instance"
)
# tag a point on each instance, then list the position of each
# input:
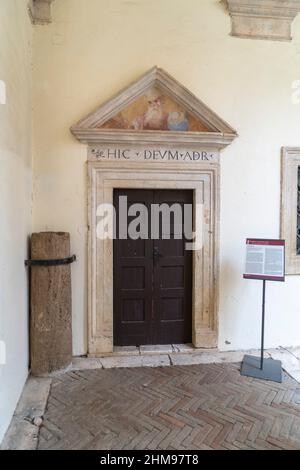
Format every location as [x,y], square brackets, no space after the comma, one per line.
[155,111]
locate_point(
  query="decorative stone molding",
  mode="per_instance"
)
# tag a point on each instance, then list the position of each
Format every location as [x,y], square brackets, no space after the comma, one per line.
[203,180]
[263,19]
[290,215]
[40,11]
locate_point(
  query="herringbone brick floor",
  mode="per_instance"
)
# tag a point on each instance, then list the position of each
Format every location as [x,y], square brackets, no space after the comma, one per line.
[183,407]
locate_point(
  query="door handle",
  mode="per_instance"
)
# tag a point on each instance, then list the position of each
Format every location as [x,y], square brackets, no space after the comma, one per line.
[156,254]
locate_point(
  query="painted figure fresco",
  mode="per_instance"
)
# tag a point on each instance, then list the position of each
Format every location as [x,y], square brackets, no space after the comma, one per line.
[155,117]
[155,112]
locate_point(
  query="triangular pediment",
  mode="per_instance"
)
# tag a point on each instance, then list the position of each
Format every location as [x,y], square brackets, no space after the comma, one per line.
[155,103]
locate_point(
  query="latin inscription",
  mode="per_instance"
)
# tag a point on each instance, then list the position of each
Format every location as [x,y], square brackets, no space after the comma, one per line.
[152,154]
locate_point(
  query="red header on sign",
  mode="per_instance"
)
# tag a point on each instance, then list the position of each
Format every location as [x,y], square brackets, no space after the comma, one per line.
[265,259]
[261,278]
[258,241]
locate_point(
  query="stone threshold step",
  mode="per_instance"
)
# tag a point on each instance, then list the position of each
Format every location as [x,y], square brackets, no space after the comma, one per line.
[159,359]
[153,349]
[290,359]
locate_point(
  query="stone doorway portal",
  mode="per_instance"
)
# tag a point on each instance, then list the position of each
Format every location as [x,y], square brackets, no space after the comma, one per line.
[154,135]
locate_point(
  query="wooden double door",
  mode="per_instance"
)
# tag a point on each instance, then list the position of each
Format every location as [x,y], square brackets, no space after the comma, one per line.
[152,277]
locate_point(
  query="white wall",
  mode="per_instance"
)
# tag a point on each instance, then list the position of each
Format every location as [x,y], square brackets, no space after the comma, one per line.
[15,200]
[91,51]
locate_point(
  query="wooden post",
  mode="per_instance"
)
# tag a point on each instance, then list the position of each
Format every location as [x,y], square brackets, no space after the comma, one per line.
[51,304]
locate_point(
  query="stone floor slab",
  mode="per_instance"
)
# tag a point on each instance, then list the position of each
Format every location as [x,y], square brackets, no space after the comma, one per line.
[121,361]
[22,435]
[179,355]
[183,348]
[295,351]
[288,360]
[126,351]
[34,398]
[295,374]
[156,360]
[24,428]
[206,358]
[156,349]
[180,359]
[82,363]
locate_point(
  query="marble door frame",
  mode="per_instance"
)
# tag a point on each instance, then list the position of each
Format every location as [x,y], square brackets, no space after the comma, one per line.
[203,179]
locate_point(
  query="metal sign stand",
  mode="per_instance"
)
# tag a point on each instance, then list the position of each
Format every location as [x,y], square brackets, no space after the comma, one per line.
[260,367]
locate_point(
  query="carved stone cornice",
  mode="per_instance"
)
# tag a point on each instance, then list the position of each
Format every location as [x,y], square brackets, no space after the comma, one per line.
[40,11]
[210,140]
[263,19]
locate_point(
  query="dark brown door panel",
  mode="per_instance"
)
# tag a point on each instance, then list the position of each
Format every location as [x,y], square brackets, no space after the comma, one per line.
[152,279]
